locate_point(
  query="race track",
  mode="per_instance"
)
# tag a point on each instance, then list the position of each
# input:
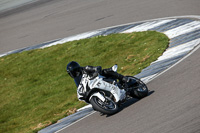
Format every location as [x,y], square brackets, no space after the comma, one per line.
[48,20]
[174,102]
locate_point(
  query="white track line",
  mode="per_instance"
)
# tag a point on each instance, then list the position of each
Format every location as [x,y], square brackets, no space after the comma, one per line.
[178,50]
[183,29]
[148,25]
[73,38]
[75,122]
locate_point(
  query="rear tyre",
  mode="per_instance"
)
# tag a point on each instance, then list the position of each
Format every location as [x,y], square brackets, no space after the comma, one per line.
[108,107]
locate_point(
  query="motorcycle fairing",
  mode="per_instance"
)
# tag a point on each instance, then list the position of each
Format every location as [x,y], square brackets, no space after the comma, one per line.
[99,83]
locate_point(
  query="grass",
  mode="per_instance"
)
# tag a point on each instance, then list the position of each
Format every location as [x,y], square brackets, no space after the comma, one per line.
[35,90]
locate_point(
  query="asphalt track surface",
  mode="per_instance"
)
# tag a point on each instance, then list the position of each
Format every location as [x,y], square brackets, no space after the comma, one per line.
[48,20]
[174,102]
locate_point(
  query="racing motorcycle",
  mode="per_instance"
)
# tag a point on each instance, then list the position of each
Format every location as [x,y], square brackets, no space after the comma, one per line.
[106,94]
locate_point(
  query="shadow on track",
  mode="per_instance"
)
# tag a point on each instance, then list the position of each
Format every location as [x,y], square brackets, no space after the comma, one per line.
[128,103]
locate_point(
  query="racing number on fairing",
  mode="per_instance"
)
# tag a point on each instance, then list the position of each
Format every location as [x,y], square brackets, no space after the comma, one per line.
[114,89]
[81,89]
[98,84]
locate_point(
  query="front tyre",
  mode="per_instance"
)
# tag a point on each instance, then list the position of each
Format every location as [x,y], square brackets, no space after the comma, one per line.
[140,90]
[108,107]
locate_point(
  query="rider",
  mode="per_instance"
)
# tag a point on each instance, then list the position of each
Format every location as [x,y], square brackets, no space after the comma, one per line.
[76,71]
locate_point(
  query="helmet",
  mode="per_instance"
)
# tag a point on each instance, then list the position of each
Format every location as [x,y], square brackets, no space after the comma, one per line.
[73,69]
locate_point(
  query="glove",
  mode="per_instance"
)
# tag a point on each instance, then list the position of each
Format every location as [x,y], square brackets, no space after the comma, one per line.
[125,79]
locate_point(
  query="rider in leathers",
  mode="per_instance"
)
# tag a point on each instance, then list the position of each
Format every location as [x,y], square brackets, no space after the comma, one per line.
[76,71]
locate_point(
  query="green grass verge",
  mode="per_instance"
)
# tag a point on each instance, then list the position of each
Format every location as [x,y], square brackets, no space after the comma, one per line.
[36,91]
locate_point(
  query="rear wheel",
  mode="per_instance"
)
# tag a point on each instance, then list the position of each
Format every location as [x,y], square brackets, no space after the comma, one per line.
[139,88]
[107,107]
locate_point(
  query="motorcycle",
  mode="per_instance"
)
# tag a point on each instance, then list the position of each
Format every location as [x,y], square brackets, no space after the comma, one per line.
[106,94]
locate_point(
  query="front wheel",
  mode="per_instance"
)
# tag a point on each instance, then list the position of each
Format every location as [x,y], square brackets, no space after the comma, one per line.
[140,90]
[107,107]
